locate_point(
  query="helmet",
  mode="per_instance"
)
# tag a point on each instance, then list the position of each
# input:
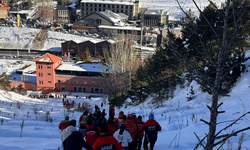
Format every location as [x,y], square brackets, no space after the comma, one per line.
[151,116]
[129,116]
[121,112]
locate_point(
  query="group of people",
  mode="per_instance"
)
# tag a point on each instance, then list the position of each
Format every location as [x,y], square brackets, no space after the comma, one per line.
[122,133]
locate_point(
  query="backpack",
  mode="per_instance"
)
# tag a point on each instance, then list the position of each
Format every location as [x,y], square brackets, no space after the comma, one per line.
[84,119]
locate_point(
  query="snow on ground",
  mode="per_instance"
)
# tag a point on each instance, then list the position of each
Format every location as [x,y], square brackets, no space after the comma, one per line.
[179,119]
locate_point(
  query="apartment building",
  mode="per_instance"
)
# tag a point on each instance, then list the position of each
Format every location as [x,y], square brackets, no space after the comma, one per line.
[131,9]
[154,17]
[51,75]
[64,14]
[4,9]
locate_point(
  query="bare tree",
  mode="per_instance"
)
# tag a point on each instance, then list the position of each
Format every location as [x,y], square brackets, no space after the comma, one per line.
[224,42]
[46,11]
[120,64]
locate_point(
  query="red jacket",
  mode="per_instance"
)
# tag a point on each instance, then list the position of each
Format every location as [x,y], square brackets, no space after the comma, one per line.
[112,129]
[91,135]
[140,123]
[107,142]
[151,128]
[131,128]
[63,125]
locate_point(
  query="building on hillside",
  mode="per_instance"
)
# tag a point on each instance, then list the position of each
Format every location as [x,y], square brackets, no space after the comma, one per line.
[154,17]
[115,31]
[106,17]
[131,9]
[49,74]
[65,14]
[77,47]
[4,9]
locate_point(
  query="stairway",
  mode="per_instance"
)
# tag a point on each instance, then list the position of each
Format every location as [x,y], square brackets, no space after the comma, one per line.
[39,40]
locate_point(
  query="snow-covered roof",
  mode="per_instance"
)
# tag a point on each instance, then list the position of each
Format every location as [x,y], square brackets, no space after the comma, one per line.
[152,49]
[48,58]
[109,2]
[118,27]
[84,67]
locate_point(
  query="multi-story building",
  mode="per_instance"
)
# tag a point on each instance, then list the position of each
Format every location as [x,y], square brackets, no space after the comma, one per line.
[131,9]
[96,47]
[154,17]
[65,14]
[4,9]
[51,75]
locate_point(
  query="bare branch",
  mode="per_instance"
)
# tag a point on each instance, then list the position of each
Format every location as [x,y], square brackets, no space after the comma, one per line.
[200,141]
[216,8]
[219,105]
[227,136]
[219,112]
[209,107]
[225,121]
[232,123]
[218,39]
[205,121]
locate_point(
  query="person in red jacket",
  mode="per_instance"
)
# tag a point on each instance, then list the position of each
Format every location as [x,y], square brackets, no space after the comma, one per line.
[111,113]
[112,127]
[83,105]
[92,133]
[140,136]
[64,123]
[132,129]
[107,141]
[151,128]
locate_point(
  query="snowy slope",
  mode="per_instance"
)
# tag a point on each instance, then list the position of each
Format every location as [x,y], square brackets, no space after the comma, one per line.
[175,118]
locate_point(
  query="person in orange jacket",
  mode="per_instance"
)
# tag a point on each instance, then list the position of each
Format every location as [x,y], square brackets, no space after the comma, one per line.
[132,129]
[107,141]
[151,128]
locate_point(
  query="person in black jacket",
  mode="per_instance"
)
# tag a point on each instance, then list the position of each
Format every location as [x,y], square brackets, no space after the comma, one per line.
[76,142]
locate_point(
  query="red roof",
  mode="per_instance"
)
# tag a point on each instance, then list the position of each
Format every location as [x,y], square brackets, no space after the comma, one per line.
[48,58]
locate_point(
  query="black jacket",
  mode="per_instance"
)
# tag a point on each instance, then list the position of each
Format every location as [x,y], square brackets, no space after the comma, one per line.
[75,142]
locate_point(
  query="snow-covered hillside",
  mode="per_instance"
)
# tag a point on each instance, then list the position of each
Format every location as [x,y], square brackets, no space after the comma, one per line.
[179,118]
[21,38]
[172,6]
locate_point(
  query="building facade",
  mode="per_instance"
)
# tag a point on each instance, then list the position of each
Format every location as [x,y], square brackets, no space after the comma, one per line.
[154,17]
[131,9]
[4,9]
[65,14]
[78,48]
[51,75]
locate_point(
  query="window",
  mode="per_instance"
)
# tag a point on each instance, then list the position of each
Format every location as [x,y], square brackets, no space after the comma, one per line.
[42,82]
[63,88]
[67,81]
[49,67]
[96,90]
[39,74]
[83,89]
[92,90]
[100,90]
[79,89]
[38,66]
[16,85]
[49,74]
[75,81]
[75,89]
[101,83]
[41,67]
[49,81]
[92,82]
[85,82]
[39,82]
[59,81]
